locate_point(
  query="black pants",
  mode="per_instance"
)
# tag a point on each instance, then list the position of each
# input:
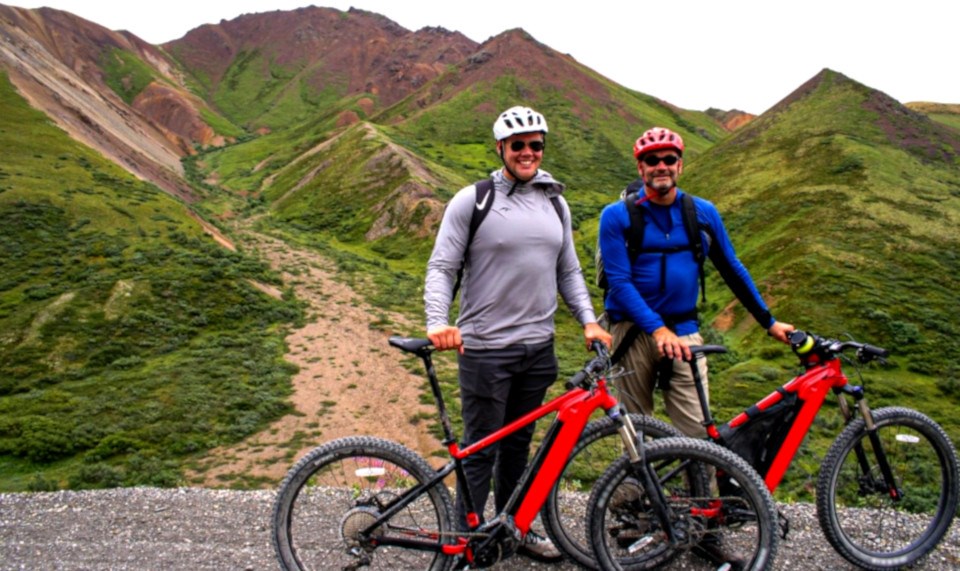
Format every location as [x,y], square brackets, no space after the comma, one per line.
[496,387]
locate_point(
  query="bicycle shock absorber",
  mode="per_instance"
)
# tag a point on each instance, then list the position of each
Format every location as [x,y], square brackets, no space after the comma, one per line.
[861,403]
[628,432]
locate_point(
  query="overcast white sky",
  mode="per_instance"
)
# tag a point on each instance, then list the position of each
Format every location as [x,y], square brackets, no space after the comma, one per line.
[728,54]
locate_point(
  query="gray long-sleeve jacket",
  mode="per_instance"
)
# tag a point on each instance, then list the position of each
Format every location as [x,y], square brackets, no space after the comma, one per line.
[521,256]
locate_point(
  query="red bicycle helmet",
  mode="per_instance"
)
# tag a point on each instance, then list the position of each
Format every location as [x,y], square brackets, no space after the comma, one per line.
[656,139]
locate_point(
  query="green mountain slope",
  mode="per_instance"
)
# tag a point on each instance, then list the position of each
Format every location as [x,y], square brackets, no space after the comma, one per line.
[130,340]
[844,205]
[374,194]
[281,68]
[845,202]
[444,129]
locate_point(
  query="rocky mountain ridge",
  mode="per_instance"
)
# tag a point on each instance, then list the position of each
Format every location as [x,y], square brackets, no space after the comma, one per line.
[196,92]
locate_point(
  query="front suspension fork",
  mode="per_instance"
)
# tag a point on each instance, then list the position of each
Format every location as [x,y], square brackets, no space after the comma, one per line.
[648,476]
[889,483]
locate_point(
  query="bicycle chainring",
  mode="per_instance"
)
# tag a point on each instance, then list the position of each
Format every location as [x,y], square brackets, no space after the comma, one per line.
[494,542]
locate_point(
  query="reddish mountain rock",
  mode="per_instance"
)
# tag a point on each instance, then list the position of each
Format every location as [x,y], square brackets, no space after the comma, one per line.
[355,52]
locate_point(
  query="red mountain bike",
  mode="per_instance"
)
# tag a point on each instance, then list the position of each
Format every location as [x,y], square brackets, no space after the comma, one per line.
[368,502]
[887,490]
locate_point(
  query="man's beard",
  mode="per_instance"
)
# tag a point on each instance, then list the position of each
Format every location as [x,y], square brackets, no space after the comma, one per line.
[661,187]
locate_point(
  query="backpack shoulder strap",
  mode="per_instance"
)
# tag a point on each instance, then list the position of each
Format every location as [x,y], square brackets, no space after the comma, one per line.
[625,343]
[637,220]
[558,206]
[483,202]
[692,227]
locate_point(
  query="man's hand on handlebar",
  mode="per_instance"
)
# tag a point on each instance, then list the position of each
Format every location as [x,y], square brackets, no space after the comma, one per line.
[671,346]
[781,331]
[593,332]
[446,337]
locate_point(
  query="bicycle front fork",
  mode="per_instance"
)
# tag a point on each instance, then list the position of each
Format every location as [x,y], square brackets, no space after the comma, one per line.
[648,476]
[890,484]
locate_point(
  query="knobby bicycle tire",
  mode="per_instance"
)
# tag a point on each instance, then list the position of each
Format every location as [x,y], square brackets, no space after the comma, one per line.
[339,488]
[855,509]
[715,500]
[564,515]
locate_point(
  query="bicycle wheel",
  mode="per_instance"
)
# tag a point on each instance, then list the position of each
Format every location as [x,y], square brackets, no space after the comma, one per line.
[564,515]
[718,506]
[339,489]
[858,516]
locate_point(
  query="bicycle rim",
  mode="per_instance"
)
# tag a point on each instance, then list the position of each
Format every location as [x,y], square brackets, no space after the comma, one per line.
[733,521]
[856,511]
[565,513]
[339,490]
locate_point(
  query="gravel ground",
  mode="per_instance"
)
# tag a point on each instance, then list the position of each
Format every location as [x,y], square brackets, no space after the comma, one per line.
[202,529]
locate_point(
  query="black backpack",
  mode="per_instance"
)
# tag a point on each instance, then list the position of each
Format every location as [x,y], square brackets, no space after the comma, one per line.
[635,235]
[483,204]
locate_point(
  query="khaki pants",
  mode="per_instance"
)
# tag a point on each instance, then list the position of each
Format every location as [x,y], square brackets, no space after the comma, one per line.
[636,388]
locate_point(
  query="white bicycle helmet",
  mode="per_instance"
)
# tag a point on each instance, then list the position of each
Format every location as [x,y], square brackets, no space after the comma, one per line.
[517,120]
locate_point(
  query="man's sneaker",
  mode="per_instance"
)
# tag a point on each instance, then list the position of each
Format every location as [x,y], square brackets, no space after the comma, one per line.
[711,549]
[536,546]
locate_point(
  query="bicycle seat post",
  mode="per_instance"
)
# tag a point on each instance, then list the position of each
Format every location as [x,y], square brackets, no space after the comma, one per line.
[448,436]
[698,353]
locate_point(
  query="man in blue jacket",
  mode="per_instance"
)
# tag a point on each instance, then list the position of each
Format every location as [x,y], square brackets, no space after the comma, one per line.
[652,299]
[658,290]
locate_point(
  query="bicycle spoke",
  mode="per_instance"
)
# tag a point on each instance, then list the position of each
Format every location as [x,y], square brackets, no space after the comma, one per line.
[330,505]
[718,509]
[868,523]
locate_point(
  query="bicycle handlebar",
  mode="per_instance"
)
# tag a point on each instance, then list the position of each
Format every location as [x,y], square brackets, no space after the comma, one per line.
[707,349]
[601,363]
[596,365]
[808,345]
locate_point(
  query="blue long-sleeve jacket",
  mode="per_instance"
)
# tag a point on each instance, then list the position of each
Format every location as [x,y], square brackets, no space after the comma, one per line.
[637,291]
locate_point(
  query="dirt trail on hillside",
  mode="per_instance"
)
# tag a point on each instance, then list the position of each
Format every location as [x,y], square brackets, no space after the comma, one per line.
[350,380]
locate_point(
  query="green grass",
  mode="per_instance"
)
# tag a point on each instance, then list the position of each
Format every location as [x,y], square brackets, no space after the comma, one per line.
[843,213]
[126,74]
[949,119]
[131,341]
[845,228]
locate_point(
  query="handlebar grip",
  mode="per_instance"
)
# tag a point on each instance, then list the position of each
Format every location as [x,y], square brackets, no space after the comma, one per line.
[875,351]
[707,349]
[599,348]
[596,364]
[574,381]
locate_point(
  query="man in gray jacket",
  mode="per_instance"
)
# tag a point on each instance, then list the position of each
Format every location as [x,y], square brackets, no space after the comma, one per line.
[519,258]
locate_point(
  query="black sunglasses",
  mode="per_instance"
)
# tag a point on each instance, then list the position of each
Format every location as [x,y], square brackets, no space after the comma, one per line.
[535,146]
[652,161]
